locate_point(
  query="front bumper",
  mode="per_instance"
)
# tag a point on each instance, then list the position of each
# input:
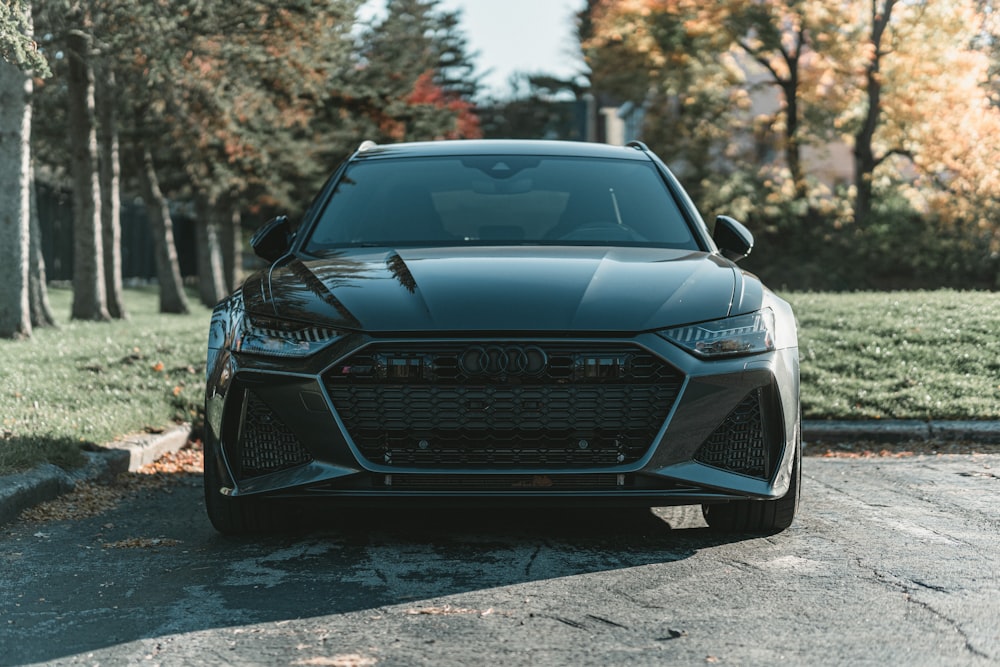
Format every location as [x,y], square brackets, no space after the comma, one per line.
[693,431]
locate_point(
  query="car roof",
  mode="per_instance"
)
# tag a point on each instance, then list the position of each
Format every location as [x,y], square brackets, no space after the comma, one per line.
[462,147]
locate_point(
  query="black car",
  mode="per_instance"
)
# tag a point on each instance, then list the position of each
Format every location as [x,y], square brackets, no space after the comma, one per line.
[503,322]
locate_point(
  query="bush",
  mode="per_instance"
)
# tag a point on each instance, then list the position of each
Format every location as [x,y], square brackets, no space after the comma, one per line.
[899,249]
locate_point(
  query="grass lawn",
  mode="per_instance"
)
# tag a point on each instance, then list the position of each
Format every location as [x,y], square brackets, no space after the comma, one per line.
[89,382]
[900,355]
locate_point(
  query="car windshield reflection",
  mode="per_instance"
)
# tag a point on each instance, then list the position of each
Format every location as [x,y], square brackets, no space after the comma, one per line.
[500,200]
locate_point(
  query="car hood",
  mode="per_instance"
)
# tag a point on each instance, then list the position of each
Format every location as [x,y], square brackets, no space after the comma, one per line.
[508,289]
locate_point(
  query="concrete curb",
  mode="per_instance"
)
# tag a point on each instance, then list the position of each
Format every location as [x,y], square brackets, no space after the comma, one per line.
[987,432]
[26,489]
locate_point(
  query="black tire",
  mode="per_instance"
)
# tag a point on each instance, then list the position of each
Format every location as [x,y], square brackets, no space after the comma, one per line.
[235,516]
[759,516]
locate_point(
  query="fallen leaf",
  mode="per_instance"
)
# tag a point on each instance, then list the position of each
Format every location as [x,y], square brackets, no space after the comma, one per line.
[345,660]
[142,543]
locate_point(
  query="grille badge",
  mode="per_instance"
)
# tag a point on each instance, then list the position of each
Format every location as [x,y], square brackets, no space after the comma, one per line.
[500,361]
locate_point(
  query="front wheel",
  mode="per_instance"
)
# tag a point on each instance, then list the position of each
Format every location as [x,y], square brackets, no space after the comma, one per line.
[759,516]
[235,516]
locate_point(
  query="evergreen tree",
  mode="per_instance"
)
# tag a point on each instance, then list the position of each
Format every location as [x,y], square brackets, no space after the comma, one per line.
[415,75]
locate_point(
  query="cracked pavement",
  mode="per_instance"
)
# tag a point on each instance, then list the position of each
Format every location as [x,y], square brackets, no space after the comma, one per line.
[891,561]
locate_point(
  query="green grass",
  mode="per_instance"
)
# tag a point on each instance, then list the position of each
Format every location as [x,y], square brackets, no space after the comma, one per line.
[90,383]
[899,355]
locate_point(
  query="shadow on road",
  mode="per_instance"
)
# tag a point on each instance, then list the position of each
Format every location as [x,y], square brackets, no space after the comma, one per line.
[71,594]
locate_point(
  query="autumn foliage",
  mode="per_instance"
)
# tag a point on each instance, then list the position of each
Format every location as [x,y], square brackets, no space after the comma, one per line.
[752,100]
[427,92]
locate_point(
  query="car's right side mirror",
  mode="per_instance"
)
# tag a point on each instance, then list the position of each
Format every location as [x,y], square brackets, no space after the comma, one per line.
[734,240]
[272,240]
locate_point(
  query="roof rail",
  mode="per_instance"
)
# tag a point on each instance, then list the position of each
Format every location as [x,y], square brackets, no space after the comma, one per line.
[367,145]
[635,143]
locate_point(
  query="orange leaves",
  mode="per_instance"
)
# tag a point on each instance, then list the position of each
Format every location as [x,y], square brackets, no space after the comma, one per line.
[427,92]
[934,113]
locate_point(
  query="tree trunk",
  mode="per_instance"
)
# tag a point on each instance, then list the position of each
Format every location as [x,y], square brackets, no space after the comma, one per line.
[211,287]
[110,177]
[89,302]
[38,291]
[168,270]
[793,149]
[15,171]
[232,247]
[865,160]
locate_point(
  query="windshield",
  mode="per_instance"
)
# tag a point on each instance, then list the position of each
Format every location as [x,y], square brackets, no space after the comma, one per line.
[500,199]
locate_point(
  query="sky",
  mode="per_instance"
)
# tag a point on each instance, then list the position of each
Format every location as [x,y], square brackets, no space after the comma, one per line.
[519,35]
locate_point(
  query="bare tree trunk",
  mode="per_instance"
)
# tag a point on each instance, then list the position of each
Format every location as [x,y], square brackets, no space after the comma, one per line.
[211,287]
[232,247]
[38,291]
[865,160]
[89,301]
[15,171]
[110,177]
[168,271]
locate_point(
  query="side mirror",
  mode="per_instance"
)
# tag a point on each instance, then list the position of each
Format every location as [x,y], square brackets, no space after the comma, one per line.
[273,239]
[734,240]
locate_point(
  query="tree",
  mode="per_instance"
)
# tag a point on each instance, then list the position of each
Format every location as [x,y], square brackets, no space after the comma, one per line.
[865,160]
[109,175]
[15,155]
[709,69]
[540,107]
[172,297]
[38,295]
[19,54]
[878,74]
[89,295]
[665,57]
[415,77]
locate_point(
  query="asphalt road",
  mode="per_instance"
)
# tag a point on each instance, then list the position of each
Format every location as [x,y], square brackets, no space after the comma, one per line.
[892,561]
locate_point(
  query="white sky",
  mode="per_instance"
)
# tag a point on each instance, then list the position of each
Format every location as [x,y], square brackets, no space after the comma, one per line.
[519,35]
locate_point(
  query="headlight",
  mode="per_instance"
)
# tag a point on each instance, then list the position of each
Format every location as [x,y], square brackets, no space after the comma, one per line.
[731,337]
[281,338]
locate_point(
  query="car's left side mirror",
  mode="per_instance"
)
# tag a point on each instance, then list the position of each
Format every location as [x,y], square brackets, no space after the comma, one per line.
[734,240]
[273,239]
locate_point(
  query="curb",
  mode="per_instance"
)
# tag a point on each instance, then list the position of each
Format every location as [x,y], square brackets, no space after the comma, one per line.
[26,489]
[985,432]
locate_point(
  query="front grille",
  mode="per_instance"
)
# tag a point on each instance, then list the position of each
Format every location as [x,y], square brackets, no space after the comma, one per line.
[502,405]
[524,483]
[265,443]
[739,443]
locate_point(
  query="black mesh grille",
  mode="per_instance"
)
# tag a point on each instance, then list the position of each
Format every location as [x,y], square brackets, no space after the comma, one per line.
[501,482]
[739,444]
[266,444]
[503,405]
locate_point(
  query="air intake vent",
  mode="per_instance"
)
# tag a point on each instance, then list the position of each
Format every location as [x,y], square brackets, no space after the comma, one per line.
[739,444]
[266,445]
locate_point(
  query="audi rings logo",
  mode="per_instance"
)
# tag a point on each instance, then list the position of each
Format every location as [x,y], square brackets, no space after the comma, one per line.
[503,360]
